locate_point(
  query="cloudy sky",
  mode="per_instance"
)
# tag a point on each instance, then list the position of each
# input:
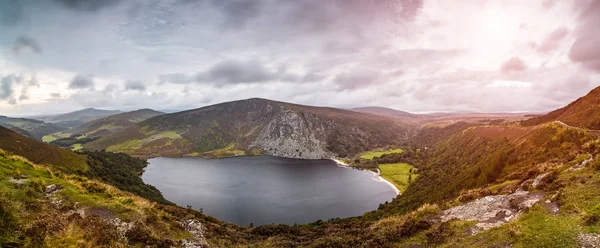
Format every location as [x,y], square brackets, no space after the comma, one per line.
[414,55]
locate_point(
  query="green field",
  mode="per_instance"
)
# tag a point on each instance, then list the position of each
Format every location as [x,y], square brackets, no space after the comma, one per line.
[52,137]
[373,154]
[76,147]
[397,174]
[48,138]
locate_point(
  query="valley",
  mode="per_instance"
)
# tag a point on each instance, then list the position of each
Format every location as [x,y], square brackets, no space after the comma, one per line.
[467,184]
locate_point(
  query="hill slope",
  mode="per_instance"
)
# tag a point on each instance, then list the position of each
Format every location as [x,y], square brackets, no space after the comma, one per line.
[256,126]
[392,113]
[78,117]
[39,152]
[583,112]
[29,127]
[77,136]
[113,123]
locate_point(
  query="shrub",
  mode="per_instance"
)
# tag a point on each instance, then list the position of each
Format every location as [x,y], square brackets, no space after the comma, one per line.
[593,216]
[439,234]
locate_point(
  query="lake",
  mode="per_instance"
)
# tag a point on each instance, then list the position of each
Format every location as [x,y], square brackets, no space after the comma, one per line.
[264,189]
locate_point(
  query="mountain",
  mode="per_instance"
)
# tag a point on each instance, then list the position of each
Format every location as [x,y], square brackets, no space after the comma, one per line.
[392,113]
[256,126]
[29,127]
[583,112]
[77,118]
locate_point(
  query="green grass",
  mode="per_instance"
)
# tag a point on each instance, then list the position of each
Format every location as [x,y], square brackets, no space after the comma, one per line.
[52,137]
[135,144]
[26,214]
[76,147]
[397,174]
[373,154]
[48,138]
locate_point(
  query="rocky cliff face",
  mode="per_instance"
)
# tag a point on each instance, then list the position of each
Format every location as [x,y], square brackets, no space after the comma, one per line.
[295,135]
[259,125]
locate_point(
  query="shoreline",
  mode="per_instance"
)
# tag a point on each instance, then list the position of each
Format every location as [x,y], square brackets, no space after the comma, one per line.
[377,174]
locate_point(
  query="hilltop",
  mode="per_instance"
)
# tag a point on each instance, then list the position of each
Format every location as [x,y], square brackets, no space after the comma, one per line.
[583,112]
[402,116]
[256,126]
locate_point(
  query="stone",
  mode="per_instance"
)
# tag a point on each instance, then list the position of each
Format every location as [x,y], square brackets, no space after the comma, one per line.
[19,183]
[52,188]
[495,210]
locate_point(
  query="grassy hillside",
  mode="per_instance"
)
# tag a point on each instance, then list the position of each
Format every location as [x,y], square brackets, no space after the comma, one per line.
[41,153]
[583,112]
[75,138]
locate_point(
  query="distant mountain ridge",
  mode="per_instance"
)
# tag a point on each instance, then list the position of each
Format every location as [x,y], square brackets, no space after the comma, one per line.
[392,113]
[114,123]
[76,118]
[29,127]
[257,126]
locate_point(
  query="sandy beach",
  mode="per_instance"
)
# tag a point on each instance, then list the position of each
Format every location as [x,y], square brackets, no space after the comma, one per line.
[378,175]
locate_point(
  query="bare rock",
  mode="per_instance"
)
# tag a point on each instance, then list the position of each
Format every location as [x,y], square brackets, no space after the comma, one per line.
[538,180]
[195,228]
[19,182]
[122,227]
[582,164]
[589,240]
[495,210]
[52,188]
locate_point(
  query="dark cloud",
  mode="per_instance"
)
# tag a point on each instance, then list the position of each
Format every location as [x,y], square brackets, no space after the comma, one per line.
[6,87]
[513,64]
[356,79]
[55,95]
[239,12]
[88,5]
[81,82]
[553,40]
[236,72]
[346,16]
[586,49]
[135,85]
[11,13]
[26,42]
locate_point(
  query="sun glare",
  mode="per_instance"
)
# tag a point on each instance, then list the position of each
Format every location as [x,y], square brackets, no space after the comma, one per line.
[498,28]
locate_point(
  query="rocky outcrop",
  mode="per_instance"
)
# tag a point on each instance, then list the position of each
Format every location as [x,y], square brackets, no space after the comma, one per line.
[195,228]
[589,240]
[294,135]
[19,182]
[492,211]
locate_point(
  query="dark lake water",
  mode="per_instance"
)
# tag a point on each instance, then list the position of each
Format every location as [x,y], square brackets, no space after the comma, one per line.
[263,189]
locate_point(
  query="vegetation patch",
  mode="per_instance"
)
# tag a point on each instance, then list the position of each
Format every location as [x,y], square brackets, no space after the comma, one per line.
[374,154]
[400,174]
